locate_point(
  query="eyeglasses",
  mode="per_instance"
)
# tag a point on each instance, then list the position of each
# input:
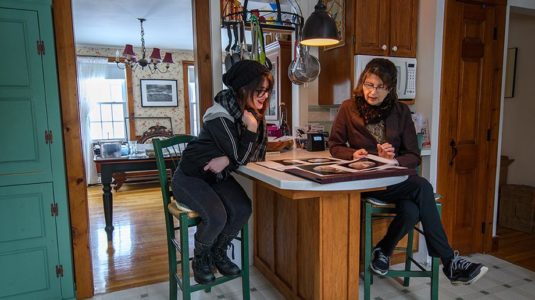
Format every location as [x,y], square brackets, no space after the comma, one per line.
[379,88]
[261,93]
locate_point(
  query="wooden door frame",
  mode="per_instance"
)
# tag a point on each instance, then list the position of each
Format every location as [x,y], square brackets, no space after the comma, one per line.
[75,170]
[494,106]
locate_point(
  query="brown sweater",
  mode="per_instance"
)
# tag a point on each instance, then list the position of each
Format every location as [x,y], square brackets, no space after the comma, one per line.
[349,134]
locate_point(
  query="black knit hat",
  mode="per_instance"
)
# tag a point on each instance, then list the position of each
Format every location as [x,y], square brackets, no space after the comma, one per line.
[242,73]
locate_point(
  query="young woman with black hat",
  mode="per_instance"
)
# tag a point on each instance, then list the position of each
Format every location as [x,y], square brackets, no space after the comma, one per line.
[233,133]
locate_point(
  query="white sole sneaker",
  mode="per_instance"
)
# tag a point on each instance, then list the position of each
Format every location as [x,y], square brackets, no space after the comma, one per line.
[482,272]
[377,271]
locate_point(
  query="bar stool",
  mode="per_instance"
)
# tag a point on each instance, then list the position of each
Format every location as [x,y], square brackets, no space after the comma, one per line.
[375,208]
[167,153]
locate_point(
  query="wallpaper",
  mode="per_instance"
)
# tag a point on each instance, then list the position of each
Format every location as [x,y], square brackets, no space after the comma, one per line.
[175,72]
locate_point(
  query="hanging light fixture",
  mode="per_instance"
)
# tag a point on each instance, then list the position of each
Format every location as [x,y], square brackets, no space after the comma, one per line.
[155,62]
[320,28]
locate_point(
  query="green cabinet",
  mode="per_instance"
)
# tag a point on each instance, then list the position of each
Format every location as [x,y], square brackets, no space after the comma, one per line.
[35,244]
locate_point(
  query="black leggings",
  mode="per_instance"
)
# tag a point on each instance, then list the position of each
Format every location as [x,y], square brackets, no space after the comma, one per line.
[223,207]
[415,201]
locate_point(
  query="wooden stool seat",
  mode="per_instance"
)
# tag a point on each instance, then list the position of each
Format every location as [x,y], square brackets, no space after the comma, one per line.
[373,208]
[176,209]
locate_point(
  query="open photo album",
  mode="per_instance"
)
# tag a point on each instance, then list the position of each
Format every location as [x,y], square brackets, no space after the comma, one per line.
[328,169]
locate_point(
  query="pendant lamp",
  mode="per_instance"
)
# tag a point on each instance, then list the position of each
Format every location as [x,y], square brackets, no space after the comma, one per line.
[320,28]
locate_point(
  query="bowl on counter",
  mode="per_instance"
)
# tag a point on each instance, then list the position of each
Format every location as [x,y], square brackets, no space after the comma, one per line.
[278,145]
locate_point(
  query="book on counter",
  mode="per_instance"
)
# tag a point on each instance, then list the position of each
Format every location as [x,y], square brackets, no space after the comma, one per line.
[329,170]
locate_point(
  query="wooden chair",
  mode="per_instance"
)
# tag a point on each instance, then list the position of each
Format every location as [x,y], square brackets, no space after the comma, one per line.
[171,148]
[375,208]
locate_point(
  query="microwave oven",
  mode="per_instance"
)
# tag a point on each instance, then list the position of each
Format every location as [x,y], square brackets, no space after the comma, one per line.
[406,73]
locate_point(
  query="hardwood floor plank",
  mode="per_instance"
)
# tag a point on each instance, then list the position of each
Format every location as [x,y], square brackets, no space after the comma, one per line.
[516,247]
[138,253]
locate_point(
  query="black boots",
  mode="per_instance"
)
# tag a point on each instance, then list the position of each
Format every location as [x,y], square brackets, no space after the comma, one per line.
[202,263]
[219,255]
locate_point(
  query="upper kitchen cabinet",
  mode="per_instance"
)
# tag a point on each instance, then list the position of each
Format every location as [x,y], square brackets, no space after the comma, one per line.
[386,27]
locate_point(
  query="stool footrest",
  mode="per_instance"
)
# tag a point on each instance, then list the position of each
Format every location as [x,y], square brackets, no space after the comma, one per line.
[403,273]
[199,287]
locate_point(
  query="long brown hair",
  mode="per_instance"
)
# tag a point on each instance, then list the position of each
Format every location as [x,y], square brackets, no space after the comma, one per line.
[247,92]
[384,69]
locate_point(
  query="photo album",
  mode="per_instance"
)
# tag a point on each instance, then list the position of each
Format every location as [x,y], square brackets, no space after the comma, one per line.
[329,170]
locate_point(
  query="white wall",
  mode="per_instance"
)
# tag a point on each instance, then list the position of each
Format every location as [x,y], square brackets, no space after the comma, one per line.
[519,112]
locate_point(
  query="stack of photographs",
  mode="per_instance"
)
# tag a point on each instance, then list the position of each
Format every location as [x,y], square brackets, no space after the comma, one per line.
[329,170]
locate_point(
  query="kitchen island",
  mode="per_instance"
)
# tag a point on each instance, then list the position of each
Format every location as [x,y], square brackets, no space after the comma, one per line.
[307,235]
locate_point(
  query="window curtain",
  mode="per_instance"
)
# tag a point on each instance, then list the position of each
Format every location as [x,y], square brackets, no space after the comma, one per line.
[90,69]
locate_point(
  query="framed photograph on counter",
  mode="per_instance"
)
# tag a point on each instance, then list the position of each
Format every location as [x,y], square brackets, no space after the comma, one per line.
[272,111]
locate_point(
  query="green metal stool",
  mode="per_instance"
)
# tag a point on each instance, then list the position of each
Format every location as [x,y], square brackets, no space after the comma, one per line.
[374,208]
[167,153]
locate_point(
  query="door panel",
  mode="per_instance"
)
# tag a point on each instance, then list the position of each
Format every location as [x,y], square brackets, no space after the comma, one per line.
[403,19]
[28,243]
[24,155]
[372,21]
[465,118]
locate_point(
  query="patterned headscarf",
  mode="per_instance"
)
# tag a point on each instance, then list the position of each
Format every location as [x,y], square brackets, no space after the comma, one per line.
[374,114]
[227,99]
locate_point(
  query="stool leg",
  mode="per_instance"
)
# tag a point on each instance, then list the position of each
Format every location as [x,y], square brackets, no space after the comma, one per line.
[184,256]
[171,250]
[367,249]
[408,256]
[245,262]
[434,278]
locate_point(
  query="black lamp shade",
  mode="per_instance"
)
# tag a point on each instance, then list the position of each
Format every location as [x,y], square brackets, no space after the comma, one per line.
[320,28]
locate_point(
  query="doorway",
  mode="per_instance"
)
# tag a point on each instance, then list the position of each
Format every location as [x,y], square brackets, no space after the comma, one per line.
[515,213]
[136,254]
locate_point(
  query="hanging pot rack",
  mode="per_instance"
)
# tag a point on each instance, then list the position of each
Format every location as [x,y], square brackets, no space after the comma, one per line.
[275,20]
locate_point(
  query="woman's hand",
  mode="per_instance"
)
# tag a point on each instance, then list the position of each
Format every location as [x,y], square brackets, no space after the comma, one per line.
[359,153]
[217,164]
[386,150]
[250,121]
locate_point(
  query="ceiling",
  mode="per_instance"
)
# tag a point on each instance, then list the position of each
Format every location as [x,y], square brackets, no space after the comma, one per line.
[114,23]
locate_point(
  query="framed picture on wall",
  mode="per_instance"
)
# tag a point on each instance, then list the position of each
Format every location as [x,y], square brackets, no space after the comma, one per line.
[158,93]
[337,11]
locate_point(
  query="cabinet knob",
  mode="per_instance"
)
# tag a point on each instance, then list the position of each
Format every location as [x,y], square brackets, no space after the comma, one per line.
[384,47]
[395,48]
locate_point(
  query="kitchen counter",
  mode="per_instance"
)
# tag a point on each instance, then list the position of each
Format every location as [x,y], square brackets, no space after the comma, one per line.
[287,181]
[306,234]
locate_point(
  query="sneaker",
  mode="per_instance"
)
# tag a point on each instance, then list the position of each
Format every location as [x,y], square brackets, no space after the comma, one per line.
[380,262]
[461,271]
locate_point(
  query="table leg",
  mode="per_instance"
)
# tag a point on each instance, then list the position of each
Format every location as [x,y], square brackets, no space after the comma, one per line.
[107,199]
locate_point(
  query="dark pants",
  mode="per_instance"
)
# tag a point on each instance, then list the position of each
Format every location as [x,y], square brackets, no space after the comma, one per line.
[223,207]
[415,201]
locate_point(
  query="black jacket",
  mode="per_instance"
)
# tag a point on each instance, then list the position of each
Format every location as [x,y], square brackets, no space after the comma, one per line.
[220,135]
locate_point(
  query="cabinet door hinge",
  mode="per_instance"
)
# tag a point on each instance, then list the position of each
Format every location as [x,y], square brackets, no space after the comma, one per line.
[49,138]
[54,209]
[483,227]
[59,271]
[40,47]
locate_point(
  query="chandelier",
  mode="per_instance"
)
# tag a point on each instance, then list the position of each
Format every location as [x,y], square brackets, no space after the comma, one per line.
[153,63]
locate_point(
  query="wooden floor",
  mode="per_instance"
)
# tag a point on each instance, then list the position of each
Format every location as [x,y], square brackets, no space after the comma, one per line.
[138,254]
[516,247]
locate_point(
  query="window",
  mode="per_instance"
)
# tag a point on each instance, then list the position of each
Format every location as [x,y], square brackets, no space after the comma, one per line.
[193,104]
[107,109]
[107,104]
